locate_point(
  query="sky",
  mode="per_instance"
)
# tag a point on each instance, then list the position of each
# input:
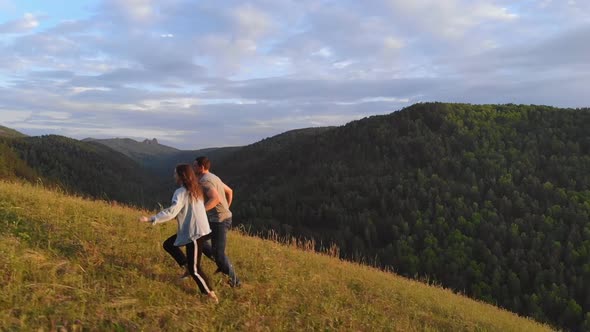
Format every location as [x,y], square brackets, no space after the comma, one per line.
[197,74]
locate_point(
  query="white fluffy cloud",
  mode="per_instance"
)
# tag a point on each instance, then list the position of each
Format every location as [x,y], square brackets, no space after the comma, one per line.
[181,70]
[21,25]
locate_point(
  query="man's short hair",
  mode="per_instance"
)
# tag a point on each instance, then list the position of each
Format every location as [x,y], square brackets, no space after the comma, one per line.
[203,161]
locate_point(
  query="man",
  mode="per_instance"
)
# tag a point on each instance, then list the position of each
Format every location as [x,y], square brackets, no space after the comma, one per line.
[218,200]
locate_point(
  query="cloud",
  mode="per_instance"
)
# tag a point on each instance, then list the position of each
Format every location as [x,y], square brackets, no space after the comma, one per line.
[72,27]
[564,53]
[184,71]
[25,24]
[12,116]
[58,116]
[449,19]
[251,22]
[324,90]
[131,11]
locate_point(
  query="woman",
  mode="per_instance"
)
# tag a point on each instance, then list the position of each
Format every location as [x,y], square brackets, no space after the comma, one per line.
[193,226]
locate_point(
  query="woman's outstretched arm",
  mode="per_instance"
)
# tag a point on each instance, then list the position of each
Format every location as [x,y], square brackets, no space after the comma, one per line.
[168,213]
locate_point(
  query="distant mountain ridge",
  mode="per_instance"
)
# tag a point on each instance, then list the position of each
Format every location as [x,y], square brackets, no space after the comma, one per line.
[139,151]
[161,158]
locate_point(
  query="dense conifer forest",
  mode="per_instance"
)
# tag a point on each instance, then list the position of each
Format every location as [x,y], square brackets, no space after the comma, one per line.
[490,200]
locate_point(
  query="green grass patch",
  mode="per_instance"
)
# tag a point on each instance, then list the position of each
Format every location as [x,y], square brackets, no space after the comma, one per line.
[73,264]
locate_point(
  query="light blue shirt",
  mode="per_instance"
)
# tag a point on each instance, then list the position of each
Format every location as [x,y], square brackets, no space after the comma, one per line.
[190,214]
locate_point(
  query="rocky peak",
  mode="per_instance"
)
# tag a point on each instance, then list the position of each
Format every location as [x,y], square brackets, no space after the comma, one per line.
[152,141]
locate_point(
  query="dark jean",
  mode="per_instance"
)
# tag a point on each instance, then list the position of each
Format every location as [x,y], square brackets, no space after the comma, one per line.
[215,250]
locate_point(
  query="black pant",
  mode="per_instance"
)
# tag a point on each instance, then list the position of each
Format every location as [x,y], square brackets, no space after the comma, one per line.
[174,251]
[194,251]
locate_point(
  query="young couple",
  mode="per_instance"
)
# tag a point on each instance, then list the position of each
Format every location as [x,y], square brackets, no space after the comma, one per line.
[201,207]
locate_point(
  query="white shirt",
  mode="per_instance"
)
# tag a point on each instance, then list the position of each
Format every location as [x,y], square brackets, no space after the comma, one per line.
[190,214]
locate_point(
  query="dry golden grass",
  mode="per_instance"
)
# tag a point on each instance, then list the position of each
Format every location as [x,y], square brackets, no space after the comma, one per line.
[72,264]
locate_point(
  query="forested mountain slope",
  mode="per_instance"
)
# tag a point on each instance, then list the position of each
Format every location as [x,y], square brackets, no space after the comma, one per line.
[84,168]
[493,200]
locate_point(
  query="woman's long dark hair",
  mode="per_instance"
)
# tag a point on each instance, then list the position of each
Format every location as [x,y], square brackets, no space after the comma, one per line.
[189,180]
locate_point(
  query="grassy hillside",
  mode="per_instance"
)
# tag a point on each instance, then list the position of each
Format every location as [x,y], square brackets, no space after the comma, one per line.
[78,264]
[12,166]
[8,132]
